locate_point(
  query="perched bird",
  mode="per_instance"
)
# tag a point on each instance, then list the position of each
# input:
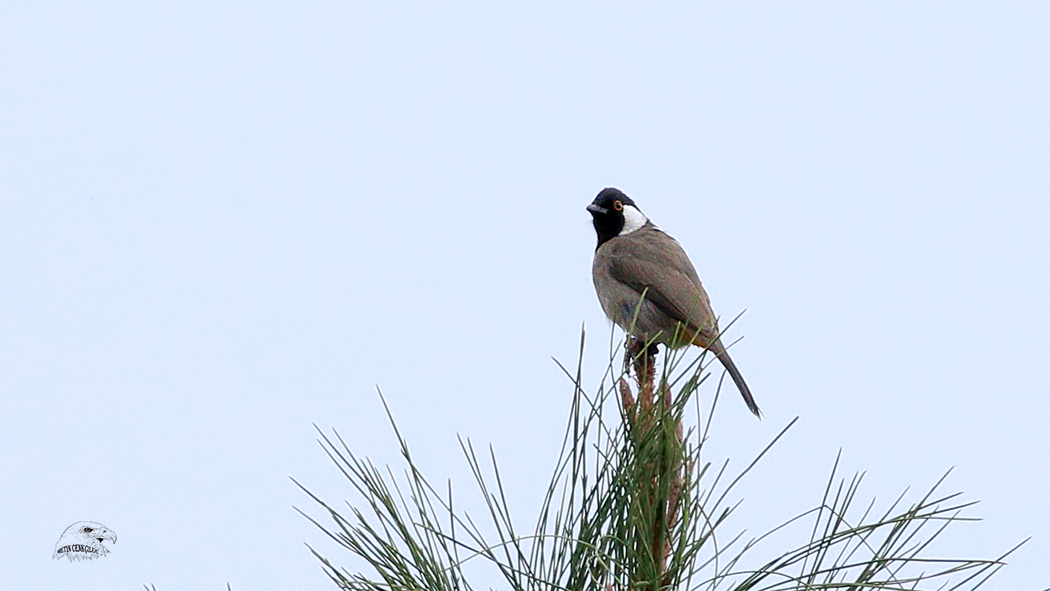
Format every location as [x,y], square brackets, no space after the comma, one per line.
[633,258]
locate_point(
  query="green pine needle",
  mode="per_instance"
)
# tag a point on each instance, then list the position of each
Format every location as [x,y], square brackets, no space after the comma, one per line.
[631,507]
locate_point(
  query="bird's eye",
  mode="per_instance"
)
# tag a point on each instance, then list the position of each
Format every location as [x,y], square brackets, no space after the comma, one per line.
[86,530]
[617,205]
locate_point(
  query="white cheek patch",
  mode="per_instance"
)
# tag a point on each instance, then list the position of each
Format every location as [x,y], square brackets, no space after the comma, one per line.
[632,219]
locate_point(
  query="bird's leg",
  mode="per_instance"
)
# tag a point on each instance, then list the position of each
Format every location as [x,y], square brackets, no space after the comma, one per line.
[635,346]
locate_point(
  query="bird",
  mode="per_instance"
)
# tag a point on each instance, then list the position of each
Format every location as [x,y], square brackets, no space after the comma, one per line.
[83,541]
[648,286]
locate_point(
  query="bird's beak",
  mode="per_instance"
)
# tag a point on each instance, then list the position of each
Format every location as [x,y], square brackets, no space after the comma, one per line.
[595,209]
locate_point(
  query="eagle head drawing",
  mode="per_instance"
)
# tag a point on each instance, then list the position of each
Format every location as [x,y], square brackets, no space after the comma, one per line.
[83,541]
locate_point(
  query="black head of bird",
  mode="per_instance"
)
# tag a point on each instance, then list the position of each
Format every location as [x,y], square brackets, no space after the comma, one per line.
[611,211]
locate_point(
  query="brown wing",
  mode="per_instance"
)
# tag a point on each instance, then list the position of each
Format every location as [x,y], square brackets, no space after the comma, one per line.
[649,259]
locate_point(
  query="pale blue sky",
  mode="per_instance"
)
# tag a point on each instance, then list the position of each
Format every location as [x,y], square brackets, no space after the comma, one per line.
[220,225]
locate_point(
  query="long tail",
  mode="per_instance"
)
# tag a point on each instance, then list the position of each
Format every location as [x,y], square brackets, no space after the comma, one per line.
[734,373]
